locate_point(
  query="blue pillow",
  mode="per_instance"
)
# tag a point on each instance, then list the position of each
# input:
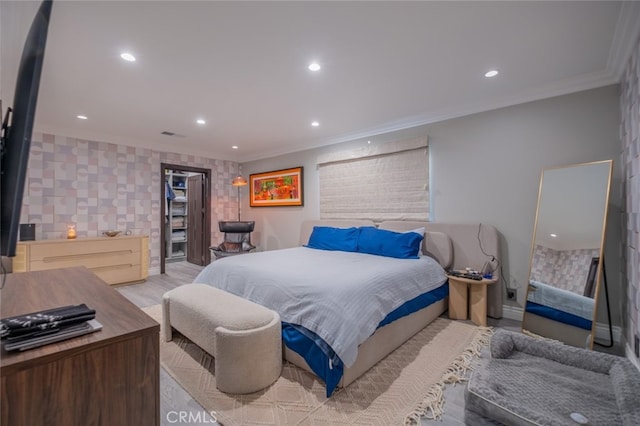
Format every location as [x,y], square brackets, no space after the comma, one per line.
[329,238]
[388,243]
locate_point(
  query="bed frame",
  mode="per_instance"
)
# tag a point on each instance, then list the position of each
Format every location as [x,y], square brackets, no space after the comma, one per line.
[460,250]
[556,330]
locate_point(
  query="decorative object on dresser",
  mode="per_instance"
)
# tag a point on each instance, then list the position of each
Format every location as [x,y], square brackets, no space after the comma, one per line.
[276,188]
[71,231]
[116,260]
[110,377]
[27,231]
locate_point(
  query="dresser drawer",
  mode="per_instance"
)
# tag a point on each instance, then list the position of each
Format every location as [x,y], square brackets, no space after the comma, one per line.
[116,260]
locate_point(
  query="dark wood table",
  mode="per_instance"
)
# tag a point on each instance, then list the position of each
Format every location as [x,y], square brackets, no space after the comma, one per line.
[109,377]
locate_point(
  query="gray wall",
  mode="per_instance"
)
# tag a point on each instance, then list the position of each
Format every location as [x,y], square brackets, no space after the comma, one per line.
[484,168]
[630,160]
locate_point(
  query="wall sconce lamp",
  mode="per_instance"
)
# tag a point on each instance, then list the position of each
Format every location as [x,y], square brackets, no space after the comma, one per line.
[239,181]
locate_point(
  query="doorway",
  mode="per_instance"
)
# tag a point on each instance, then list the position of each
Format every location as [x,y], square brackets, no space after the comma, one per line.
[185,212]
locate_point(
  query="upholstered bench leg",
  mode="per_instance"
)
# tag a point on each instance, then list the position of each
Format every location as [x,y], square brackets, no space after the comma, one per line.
[166,320]
[247,361]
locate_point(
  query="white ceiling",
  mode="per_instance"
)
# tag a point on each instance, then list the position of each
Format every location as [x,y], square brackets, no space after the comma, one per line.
[242,66]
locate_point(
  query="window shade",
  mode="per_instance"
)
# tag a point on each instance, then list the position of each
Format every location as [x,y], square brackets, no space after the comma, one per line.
[383,184]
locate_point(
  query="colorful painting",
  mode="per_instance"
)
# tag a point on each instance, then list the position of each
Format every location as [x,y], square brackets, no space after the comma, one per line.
[276,188]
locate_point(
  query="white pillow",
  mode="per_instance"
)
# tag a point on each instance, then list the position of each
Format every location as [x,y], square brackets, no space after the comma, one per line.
[421,232]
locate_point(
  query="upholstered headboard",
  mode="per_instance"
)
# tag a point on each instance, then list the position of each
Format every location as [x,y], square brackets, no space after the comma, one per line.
[435,244]
[470,242]
[454,245]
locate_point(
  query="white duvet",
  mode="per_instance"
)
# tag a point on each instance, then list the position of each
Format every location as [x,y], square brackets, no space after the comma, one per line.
[563,300]
[340,296]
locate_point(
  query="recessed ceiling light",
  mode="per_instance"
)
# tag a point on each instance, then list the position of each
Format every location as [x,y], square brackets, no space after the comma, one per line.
[82,117]
[491,73]
[368,141]
[553,235]
[201,121]
[315,123]
[128,57]
[234,147]
[314,66]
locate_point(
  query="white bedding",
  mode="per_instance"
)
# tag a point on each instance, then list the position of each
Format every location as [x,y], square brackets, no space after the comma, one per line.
[564,300]
[340,296]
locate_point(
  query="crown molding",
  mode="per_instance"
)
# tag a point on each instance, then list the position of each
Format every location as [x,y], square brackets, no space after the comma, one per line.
[558,88]
[624,39]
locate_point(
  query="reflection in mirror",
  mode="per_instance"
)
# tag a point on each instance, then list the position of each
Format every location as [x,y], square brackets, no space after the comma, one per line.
[566,252]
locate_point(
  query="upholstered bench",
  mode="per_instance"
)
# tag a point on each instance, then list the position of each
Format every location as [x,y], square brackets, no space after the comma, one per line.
[244,338]
[531,381]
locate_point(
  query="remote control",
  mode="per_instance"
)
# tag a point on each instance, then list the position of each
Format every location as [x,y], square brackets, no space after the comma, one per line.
[476,277]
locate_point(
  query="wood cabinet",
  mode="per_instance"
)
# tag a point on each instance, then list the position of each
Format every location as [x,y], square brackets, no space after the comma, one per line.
[109,377]
[116,260]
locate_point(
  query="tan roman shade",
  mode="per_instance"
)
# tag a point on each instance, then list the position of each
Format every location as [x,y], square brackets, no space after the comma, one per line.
[384,182]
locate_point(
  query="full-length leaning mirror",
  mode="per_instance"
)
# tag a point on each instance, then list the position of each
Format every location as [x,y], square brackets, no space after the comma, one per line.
[566,253]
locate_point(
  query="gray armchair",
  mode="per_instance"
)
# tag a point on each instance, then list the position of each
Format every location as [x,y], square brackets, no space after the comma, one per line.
[237,239]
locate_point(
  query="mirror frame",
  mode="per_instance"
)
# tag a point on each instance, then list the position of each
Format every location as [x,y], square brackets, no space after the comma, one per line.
[598,275]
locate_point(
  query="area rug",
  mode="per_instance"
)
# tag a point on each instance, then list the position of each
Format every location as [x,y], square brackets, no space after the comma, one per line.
[401,388]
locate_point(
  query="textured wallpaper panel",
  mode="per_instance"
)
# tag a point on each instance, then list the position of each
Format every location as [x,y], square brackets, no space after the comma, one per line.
[565,269]
[630,160]
[100,186]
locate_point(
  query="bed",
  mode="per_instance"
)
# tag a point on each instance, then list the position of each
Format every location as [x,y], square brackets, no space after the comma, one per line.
[339,353]
[560,305]
[559,314]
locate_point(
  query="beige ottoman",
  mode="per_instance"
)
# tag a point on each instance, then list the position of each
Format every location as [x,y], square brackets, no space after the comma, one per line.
[244,338]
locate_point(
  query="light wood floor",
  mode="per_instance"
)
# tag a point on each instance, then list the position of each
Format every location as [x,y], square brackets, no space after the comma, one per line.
[174,399]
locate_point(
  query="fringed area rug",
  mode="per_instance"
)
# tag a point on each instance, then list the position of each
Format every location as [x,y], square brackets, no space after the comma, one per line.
[401,388]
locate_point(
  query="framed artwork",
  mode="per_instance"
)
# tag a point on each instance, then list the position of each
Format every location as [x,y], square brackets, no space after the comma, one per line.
[276,188]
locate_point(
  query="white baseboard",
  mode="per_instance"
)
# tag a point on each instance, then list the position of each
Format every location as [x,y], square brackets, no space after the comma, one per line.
[629,353]
[602,333]
[512,312]
[154,271]
[602,330]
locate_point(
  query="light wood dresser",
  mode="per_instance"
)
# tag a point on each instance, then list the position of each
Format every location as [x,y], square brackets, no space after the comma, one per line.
[115,260]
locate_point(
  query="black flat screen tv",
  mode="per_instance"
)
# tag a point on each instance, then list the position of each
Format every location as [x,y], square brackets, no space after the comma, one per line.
[17,127]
